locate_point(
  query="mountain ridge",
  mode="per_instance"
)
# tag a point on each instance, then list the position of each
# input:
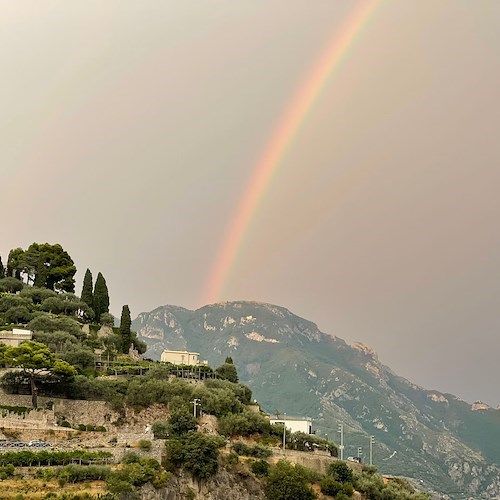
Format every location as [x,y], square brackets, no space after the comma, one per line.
[291,365]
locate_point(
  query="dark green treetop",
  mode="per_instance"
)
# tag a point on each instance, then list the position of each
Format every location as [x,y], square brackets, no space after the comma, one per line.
[36,360]
[45,265]
[125,332]
[2,269]
[87,292]
[227,371]
[101,297]
[15,263]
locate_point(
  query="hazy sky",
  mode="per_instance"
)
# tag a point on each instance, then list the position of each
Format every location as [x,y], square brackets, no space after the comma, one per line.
[129,131]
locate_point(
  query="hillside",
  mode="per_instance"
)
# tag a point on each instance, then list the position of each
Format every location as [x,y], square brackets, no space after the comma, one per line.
[292,366]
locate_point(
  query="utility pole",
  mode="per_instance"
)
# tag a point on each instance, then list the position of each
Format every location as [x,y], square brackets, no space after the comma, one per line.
[341,447]
[360,453]
[372,442]
[195,403]
[284,434]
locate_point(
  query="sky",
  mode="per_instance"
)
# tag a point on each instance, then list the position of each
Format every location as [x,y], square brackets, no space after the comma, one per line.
[130,132]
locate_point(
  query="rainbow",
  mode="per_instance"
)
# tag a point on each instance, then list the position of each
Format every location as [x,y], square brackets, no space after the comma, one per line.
[296,112]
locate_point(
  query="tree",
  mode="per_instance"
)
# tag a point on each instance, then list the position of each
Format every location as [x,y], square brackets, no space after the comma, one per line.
[2,269]
[101,296]
[197,452]
[15,263]
[125,332]
[288,482]
[49,266]
[87,293]
[227,371]
[229,360]
[35,361]
[180,422]
[341,472]
[11,285]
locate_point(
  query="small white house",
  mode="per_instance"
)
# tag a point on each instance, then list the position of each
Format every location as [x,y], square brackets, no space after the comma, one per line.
[181,358]
[15,336]
[294,424]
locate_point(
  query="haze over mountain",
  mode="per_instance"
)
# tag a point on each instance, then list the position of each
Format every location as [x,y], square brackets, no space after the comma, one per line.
[292,366]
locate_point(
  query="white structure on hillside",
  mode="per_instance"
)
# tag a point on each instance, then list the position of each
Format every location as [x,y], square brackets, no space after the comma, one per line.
[294,424]
[15,336]
[182,358]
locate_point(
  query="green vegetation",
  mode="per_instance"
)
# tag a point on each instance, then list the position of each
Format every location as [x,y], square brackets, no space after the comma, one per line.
[195,452]
[101,296]
[125,332]
[66,360]
[28,458]
[256,451]
[288,482]
[34,360]
[87,292]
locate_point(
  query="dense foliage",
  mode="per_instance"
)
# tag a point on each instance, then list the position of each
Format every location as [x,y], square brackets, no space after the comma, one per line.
[288,482]
[197,453]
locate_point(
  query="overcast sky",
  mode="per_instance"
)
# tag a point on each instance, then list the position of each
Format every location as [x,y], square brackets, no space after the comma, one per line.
[129,131]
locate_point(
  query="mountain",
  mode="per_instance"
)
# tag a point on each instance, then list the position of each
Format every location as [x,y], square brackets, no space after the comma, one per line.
[435,438]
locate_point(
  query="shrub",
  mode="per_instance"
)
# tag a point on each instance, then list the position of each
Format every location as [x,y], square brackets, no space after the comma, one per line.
[256,451]
[144,444]
[341,472]
[288,482]
[348,489]
[180,422]
[243,424]
[196,452]
[77,473]
[160,429]
[6,471]
[260,468]
[329,486]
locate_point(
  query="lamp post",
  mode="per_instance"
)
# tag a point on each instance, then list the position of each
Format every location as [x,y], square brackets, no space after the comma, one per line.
[284,434]
[341,447]
[195,403]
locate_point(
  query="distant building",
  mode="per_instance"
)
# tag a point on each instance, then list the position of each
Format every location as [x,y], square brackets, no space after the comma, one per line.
[15,336]
[293,424]
[182,358]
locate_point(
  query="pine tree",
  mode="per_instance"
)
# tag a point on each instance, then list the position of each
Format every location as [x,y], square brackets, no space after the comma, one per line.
[2,269]
[101,297]
[125,332]
[87,294]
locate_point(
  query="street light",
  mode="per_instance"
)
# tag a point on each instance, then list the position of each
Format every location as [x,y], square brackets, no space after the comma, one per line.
[284,434]
[195,403]
[341,447]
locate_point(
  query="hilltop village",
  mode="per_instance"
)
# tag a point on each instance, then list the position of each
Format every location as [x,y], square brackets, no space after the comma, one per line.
[85,414]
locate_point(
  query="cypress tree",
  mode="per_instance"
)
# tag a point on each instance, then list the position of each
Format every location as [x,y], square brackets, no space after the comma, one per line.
[87,294]
[2,269]
[125,332]
[101,297]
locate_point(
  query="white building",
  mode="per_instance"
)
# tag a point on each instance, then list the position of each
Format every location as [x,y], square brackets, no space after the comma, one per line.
[293,424]
[181,358]
[15,336]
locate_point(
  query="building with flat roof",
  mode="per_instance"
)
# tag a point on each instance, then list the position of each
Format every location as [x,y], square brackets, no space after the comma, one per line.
[182,358]
[15,336]
[294,424]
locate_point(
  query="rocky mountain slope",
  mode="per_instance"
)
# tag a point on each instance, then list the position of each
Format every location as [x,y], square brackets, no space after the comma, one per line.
[290,365]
